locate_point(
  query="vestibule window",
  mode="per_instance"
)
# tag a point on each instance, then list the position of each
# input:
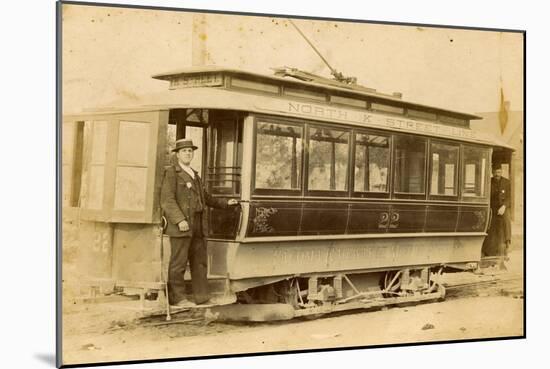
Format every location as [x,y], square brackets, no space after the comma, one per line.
[328,159]
[372,162]
[95,190]
[410,167]
[224,171]
[476,161]
[278,156]
[444,164]
[132,165]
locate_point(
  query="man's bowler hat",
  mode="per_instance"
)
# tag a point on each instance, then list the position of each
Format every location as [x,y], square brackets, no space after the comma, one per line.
[183,144]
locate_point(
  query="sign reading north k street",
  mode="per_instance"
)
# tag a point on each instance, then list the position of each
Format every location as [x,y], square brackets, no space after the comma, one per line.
[368,119]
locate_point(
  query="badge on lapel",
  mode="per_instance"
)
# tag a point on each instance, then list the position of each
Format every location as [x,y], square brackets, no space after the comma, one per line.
[189,185]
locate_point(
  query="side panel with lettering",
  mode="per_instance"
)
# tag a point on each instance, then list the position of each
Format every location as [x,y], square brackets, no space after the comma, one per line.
[255,260]
[407,218]
[274,219]
[368,218]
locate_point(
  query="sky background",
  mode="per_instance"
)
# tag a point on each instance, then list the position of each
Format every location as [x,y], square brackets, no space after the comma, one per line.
[110,53]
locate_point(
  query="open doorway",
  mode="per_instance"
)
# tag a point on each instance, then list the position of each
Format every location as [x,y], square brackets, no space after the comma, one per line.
[498,240]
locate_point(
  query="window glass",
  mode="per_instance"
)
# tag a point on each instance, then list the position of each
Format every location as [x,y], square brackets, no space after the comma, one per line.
[444,169]
[278,156]
[94,193]
[130,188]
[196,135]
[421,114]
[133,143]
[174,133]
[348,101]
[410,167]
[387,108]
[72,161]
[454,121]
[225,169]
[132,162]
[328,159]
[170,144]
[372,160]
[307,94]
[252,85]
[99,142]
[475,171]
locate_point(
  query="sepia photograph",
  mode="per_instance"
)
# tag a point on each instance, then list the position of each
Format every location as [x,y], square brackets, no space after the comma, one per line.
[242,184]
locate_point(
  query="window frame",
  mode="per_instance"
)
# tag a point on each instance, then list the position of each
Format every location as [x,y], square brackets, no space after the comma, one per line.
[457,172]
[297,192]
[103,213]
[370,194]
[157,119]
[326,193]
[237,128]
[409,195]
[475,199]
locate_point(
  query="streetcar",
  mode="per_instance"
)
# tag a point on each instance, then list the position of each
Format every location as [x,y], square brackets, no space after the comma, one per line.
[349,197]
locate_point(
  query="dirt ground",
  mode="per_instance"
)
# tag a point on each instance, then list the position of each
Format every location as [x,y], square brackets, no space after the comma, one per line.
[106,332]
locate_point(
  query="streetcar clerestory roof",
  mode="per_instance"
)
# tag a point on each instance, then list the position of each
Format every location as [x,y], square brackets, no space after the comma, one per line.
[349,89]
[239,100]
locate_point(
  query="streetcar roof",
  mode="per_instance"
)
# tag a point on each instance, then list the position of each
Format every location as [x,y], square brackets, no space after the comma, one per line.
[335,86]
[212,98]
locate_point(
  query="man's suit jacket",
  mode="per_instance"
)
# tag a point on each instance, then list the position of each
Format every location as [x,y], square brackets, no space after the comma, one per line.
[500,193]
[181,197]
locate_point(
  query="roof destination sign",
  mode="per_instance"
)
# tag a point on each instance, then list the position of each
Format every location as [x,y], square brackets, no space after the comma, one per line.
[196,80]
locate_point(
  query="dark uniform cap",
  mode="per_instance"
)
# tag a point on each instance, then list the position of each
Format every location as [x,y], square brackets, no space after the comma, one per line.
[183,143]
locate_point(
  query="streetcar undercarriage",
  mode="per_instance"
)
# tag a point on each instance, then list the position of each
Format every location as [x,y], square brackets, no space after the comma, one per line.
[316,295]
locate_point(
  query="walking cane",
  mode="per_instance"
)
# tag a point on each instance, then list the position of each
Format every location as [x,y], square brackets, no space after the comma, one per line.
[163,278]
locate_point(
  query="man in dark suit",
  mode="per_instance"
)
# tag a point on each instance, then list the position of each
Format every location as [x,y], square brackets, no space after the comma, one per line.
[184,202]
[499,236]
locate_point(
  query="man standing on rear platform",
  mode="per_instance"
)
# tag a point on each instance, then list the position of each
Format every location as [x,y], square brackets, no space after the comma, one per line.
[498,239]
[184,202]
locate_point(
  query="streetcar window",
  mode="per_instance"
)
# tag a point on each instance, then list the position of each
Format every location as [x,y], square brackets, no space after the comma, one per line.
[421,114]
[131,170]
[190,124]
[348,101]
[386,108]
[252,85]
[328,159]
[196,134]
[224,170]
[410,167]
[96,168]
[72,156]
[372,160]
[305,93]
[278,156]
[444,164]
[476,161]
[171,139]
[453,121]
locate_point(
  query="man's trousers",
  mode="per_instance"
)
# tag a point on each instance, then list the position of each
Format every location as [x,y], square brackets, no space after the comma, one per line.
[193,249]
